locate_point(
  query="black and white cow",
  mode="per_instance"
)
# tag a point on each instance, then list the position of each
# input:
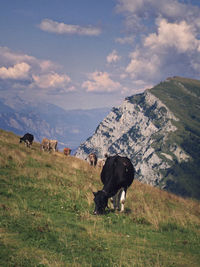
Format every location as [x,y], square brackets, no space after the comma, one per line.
[27,139]
[117,175]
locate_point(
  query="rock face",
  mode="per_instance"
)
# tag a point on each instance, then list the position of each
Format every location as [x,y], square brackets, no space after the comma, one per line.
[138,129]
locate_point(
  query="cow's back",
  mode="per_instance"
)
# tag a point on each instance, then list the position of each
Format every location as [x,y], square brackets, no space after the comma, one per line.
[107,170]
[117,171]
[45,141]
[125,171]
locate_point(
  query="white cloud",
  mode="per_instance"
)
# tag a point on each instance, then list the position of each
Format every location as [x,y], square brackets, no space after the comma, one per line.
[18,71]
[143,66]
[171,9]
[168,43]
[32,73]
[140,15]
[125,40]
[113,57]
[129,5]
[62,28]
[100,82]
[178,35]
[51,80]
[9,57]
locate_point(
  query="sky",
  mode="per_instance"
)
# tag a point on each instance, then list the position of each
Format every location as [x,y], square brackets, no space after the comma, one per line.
[84,54]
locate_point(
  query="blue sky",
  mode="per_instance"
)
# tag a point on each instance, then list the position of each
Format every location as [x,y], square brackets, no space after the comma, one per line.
[90,53]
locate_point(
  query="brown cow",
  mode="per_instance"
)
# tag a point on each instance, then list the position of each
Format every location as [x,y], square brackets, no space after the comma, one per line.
[48,145]
[45,144]
[53,145]
[92,159]
[67,151]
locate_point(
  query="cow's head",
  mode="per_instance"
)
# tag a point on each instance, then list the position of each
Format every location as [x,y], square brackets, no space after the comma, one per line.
[101,202]
[21,139]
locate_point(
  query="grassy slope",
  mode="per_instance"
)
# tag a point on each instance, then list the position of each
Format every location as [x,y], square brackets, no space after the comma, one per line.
[183,101]
[46,206]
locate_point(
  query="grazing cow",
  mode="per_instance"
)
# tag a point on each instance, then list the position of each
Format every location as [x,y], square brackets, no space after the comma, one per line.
[45,144]
[53,145]
[117,175]
[48,145]
[92,159]
[27,139]
[67,151]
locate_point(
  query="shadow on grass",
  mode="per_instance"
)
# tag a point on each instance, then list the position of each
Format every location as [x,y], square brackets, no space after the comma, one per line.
[127,211]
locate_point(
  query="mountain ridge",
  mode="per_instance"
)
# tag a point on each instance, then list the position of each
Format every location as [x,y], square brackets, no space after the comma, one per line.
[159,130]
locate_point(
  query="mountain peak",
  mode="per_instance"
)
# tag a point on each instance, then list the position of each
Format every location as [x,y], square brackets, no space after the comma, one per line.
[150,128]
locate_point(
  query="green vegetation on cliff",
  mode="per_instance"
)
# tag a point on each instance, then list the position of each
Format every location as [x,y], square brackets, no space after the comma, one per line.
[182,97]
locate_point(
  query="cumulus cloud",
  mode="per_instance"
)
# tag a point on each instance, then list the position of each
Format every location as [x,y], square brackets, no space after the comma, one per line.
[51,80]
[9,57]
[100,82]
[140,15]
[62,28]
[143,66]
[173,49]
[17,72]
[171,9]
[181,36]
[32,73]
[167,35]
[113,57]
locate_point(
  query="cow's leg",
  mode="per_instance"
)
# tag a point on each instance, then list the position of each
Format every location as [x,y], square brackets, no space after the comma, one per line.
[122,199]
[114,201]
[26,142]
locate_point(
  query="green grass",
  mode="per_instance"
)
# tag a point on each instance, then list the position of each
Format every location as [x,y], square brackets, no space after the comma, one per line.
[46,216]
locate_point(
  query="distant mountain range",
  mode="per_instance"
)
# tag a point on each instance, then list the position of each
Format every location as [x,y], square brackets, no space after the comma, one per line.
[159,130]
[69,127]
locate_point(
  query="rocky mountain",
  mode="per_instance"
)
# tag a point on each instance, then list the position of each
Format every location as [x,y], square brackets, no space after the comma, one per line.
[69,127]
[159,130]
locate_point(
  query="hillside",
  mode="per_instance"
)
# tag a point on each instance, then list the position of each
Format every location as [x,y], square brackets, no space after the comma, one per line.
[159,130]
[46,216]
[69,127]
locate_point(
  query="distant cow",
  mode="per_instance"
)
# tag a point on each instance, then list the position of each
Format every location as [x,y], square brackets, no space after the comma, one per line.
[67,151]
[45,144]
[27,139]
[48,145]
[117,175]
[53,145]
[92,159]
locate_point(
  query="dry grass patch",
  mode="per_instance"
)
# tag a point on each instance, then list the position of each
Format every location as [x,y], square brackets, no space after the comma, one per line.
[156,206]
